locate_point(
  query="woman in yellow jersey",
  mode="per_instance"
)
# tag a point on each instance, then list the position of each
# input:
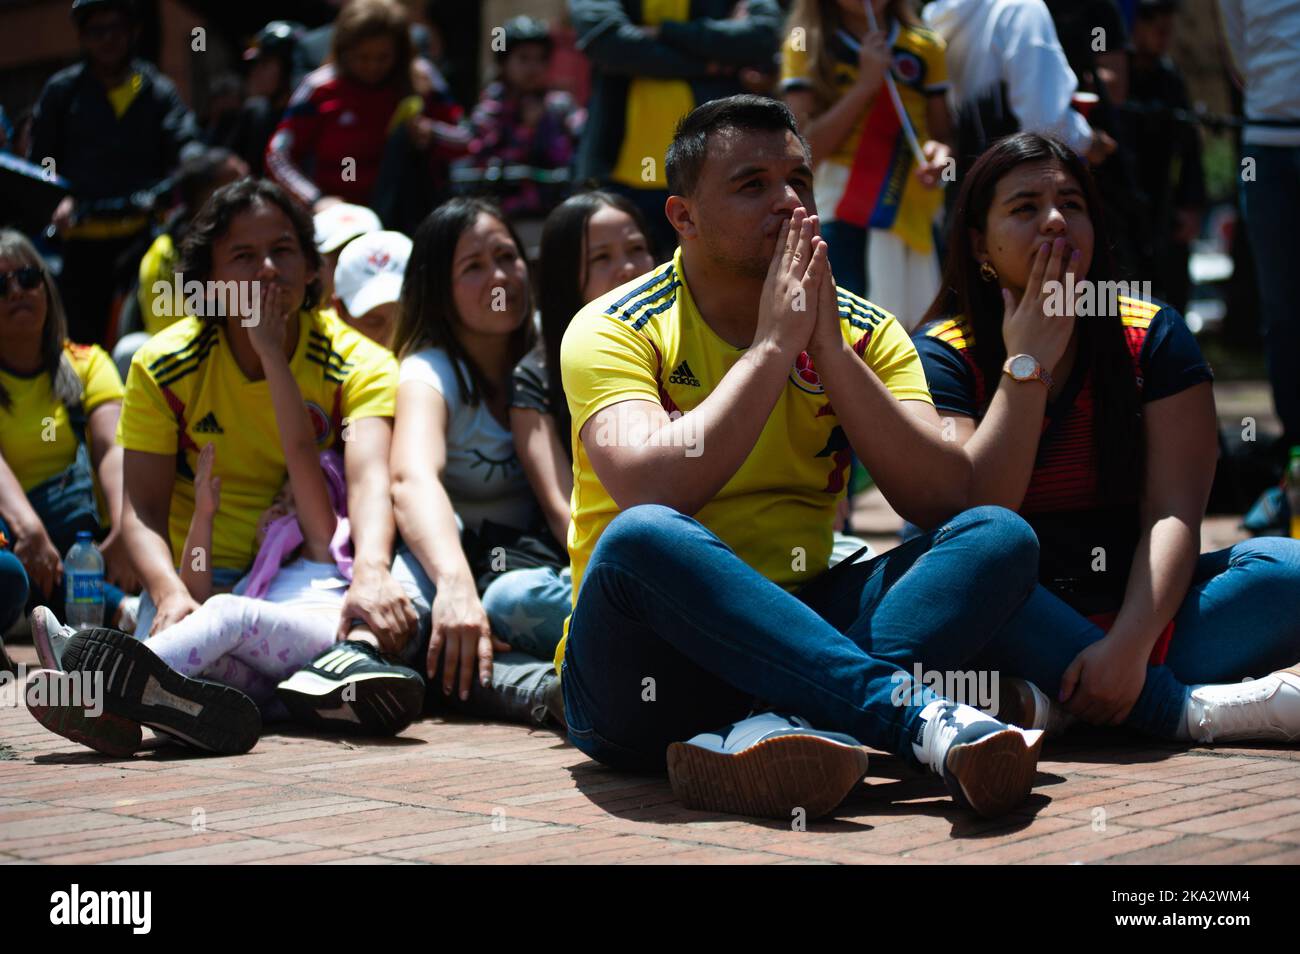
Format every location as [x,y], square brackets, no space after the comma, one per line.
[879,204]
[204,381]
[59,404]
[1087,407]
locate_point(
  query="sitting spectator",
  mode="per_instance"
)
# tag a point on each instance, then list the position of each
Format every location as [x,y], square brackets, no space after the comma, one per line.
[203,380]
[591,244]
[200,175]
[284,616]
[59,405]
[462,500]
[522,128]
[336,225]
[368,283]
[115,128]
[1099,427]
[880,206]
[274,62]
[336,132]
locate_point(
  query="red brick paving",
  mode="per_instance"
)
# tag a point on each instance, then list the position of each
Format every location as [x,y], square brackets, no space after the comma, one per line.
[465,792]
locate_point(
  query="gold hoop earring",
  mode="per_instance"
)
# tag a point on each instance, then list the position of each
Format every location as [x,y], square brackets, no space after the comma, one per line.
[987,272]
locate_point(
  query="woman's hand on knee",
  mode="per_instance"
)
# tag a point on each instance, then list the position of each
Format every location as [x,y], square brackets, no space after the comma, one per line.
[461,634]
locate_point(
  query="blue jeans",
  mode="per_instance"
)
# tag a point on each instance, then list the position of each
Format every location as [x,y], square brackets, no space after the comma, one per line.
[673,634]
[512,693]
[32,597]
[1271,207]
[528,608]
[13,589]
[1240,618]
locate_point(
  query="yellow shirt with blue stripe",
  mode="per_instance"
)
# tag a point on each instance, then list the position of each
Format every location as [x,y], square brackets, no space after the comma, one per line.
[185,390]
[647,341]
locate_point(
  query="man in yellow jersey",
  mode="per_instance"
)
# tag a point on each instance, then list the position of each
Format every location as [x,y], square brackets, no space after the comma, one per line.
[715,403]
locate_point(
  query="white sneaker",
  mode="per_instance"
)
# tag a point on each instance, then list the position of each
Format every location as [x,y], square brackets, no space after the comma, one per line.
[128,614]
[986,764]
[1266,709]
[50,637]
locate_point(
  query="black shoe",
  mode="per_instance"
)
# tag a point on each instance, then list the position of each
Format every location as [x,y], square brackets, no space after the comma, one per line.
[350,687]
[141,687]
[6,664]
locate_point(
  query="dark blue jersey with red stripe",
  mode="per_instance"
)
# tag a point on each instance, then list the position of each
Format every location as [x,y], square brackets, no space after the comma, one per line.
[1086,539]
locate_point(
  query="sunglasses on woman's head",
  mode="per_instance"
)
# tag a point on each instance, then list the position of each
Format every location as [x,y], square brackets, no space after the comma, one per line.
[29,277]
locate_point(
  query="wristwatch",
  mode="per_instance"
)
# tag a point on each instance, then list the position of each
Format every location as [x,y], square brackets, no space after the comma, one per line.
[1025,367]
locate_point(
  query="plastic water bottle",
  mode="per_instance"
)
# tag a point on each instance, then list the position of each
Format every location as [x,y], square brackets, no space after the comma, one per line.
[83,576]
[1293,491]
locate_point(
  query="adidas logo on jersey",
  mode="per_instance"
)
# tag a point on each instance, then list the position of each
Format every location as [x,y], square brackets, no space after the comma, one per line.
[209,425]
[684,376]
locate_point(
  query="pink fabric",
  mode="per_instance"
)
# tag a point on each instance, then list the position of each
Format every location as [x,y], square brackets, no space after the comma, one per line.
[285,535]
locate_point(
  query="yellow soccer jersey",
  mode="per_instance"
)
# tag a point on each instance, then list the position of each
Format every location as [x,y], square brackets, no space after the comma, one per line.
[647,341]
[35,414]
[919,69]
[185,390]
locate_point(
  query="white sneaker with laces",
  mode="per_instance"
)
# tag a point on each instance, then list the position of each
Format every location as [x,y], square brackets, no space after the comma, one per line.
[986,764]
[1266,709]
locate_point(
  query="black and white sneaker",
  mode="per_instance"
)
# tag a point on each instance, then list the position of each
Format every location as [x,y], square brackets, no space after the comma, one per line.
[139,686]
[350,687]
[988,766]
[50,637]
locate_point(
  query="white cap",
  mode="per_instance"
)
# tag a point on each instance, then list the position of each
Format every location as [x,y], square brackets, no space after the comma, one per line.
[341,223]
[370,270]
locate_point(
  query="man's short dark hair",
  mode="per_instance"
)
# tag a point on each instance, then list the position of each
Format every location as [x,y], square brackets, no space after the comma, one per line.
[690,145]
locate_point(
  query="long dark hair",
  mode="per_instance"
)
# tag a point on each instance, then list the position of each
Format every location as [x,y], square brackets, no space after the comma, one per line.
[213,221]
[1102,343]
[428,316]
[63,376]
[562,271]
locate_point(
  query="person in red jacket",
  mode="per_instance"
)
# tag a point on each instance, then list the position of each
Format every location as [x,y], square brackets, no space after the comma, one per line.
[343,120]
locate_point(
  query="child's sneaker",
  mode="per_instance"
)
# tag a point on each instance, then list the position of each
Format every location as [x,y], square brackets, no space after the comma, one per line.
[986,764]
[141,687]
[351,687]
[54,709]
[50,637]
[767,765]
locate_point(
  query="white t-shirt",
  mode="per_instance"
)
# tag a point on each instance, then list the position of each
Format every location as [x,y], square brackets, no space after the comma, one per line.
[1012,42]
[1264,37]
[305,584]
[483,476]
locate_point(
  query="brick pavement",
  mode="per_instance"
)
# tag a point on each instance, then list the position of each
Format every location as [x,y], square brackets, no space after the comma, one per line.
[458,791]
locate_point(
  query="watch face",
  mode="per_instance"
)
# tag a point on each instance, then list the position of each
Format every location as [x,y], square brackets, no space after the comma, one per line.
[1023,367]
